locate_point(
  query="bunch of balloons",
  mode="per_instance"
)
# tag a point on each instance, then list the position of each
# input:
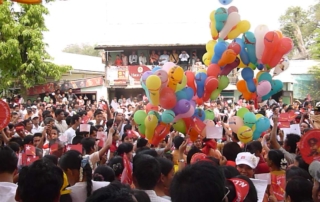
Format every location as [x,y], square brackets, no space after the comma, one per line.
[248,126]
[262,50]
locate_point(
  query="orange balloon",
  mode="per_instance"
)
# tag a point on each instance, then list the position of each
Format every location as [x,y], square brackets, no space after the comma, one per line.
[242,87]
[227,57]
[190,81]
[193,134]
[271,42]
[285,46]
[213,70]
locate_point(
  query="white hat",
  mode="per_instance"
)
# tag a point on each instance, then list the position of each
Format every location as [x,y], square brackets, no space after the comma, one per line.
[34,107]
[119,111]
[35,116]
[248,159]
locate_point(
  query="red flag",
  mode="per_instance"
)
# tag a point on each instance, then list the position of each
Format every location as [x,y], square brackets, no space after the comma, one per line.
[29,150]
[54,148]
[126,177]
[77,147]
[27,160]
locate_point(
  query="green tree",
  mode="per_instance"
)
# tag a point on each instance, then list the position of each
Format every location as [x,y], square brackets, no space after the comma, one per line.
[83,49]
[313,84]
[24,61]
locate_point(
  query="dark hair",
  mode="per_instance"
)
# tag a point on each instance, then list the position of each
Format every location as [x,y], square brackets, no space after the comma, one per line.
[299,189]
[146,171]
[291,141]
[254,146]
[73,160]
[124,148]
[230,171]
[42,176]
[294,171]
[191,152]
[68,120]
[116,163]
[177,141]
[127,127]
[58,112]
[28,139]
[148,151]
[92,129]
[231,150]
[141,196]
[8,159]
[302,163]
[252,194]
[14,146]
[141,142]
[235,136]
[77,140]
[201,181]
[277,158]
[166,165]
[51,158]
[74,118]
[88,144]
[104,173]
[168,156]
[114,192]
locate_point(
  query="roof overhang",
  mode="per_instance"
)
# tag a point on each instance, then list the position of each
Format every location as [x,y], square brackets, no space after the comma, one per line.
[150,46]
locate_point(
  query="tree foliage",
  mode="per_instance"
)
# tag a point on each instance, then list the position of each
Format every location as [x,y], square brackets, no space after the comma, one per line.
[24,61]
[83,49]
[314,82]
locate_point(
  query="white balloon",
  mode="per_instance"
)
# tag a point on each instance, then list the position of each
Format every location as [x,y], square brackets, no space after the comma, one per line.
[233,20]
[259,33]
[282,66]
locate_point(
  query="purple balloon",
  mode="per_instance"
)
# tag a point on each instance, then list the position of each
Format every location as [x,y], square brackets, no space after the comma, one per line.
[145,75]
[229,67]
[182,106]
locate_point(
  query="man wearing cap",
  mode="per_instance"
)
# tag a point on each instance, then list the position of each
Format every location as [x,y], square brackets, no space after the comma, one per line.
[29,113]
[315,119]
[36,128]
[246,163]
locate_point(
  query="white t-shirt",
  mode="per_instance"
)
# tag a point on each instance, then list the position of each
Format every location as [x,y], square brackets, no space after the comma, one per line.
[164,58]
[79,190]
[7,191]
[184,57]
[70,133]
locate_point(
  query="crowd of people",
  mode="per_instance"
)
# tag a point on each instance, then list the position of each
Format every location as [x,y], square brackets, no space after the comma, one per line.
[66,150]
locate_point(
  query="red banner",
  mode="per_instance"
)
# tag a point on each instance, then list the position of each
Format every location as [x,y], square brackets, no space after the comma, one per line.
[136,72]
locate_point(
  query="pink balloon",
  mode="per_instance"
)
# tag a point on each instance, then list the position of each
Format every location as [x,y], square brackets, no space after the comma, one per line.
[263,88]
[185,115]
[167,66]
[163,75]
[235,123]
[232,9]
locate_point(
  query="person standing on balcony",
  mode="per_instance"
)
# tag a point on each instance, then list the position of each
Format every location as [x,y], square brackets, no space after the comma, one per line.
[133,58]
[164,58]
[124,59]
[154,58]
[184,57]
[174,57]
[142,59]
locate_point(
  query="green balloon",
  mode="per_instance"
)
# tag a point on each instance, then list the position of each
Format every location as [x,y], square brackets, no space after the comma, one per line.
[209,114]
[223,82]
[180,126]
[142,129]
[249,119]
[215,94]
[241,112]
[139,117]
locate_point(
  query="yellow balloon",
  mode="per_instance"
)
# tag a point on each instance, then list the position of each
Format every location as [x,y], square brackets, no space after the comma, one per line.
[258,116]
[254,127]
[153,84]
[212,15]
[206,59]
[175,76]
[182,84]
[151,122]
[213,29]
[242,27]
[258,75]
[245,134]
[210,46]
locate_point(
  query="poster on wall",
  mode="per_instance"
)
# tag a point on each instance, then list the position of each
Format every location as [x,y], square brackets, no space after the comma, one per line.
[117,76]
[136,71]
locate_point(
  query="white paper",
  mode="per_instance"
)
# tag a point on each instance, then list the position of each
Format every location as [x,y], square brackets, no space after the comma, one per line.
[85,127]
[294,129]
[261,187]
[214,132]
[263,176]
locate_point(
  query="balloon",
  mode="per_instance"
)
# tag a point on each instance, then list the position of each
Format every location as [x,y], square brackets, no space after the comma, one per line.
[232,9]
[206,58]
[167,98]
[259,33]
[163,75]
[198,112]
[139,117]
[285,45]
[151,123]
[242,27]
[256,135]
[277,86]
[248,74]
[235,47]
[225,2]
[160,133]
[263,88]
[190,81]
[232,20]
[250,43]
[213,70]
[213,29]
[243,53]
[223,83]
[282,66]
[221,17]
[249,119]
[187,114]
[271,40]
[142,129]
[182,106]
[153,84]
[210,46]
[229,67]
[180,126]
[262,124]
[150,107]
[167,116]
[167,66]
[209,114]
[182,84]
[155,113]
[186,93]
[227,57]
[143,80]
[242,111]
[242,87]
[175,76]
[200,81]
[245,134]
[258,116]
[235,123]
[219,49]
[210,85]
[264,76]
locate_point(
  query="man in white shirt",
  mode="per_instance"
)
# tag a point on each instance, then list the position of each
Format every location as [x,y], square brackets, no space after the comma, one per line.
[8,166]
[184,58]
[36,128]
[133,58]
[142,59]
[71,132]
[59,122]
[164,58]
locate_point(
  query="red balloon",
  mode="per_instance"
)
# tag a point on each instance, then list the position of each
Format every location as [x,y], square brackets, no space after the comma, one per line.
[190,81]
[210,85]
[235,47]
[213,70]
[168,98]
[151,107]
[199,101]
[160,133]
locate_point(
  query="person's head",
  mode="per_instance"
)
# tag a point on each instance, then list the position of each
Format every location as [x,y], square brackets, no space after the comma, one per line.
[231,150]
[201,181]
[125,149]
[255,147]
[294,171]
[51,158]
[116,163]
[140,195]
[241,188]
[198,143]
[167,173]
[276,160]
[246,163]
[299,162]
[146,172]
[104,173]
[290,143]
[142,142]
[88,145]
[41,181]
[114,192]
[126,138]
[54,133]
[9,160]
[191,152]
[77,169]
[177,141]
[36,139]
[229,171]
[299,189]
[312,142]
[75,120]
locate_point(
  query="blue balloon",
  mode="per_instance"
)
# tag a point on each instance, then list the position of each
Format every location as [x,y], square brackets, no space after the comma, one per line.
[219,48]
[200,81]
[262,124]
[250,43]
[181,95]
[260,66]
[167,116]
[248,74]
[243,53]
[156,69]
[189,93]
[256,135]
[221,16]
[200,114]
[225,2]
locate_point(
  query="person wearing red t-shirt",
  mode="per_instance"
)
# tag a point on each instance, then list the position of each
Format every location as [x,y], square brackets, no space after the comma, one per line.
[255,148]
[118,61]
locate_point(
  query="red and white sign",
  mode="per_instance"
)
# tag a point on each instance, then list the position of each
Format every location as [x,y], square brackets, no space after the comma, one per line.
[136,71]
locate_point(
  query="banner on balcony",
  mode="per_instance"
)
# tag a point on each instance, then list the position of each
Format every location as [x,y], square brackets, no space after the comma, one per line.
[135,73]
[117,76]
